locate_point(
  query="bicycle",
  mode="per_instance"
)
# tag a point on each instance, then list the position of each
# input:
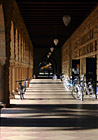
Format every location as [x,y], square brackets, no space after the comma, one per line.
[83,88]
[68,83]
[77,91]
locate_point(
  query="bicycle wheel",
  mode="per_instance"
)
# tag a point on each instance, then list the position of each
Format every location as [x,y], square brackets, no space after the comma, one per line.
[75,93]
[90,92]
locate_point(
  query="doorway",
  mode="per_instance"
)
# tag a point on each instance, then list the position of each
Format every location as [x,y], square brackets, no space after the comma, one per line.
[46,69]
[91,69]
[75,68]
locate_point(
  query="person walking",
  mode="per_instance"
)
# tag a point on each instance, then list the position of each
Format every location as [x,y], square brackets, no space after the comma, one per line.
[21,91]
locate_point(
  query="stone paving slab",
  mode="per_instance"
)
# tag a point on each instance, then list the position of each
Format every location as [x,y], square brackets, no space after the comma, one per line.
[40,117]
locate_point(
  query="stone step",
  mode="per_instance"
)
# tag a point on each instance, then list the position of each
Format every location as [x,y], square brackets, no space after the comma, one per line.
[43,90]
[45,96]
[47,86]
[46,92]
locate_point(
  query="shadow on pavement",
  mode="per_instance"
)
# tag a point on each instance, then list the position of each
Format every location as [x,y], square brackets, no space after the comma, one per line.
[68,116]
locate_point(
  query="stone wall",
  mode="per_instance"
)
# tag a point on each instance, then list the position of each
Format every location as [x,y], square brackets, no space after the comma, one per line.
[83,43]
[18,49]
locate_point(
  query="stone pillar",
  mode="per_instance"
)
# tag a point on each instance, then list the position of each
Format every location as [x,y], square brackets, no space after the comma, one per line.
[82,66]
[97,68]
[19,47]
[2,82]
[16,45]
[17,77]
[10,79]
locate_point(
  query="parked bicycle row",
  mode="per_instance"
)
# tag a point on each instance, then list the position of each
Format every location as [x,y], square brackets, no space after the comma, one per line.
[80,88]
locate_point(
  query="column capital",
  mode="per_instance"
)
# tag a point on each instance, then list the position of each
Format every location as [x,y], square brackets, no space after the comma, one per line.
[12,62]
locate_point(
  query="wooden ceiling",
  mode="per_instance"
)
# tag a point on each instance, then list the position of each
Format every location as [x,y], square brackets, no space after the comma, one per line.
[44,22]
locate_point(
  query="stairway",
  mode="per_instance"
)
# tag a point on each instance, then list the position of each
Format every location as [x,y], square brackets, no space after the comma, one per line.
[46,91]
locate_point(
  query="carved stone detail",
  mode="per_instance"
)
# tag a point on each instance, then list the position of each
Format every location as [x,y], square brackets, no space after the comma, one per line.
[2,61]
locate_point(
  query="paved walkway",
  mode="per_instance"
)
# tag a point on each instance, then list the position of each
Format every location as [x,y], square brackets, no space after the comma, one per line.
[49,112]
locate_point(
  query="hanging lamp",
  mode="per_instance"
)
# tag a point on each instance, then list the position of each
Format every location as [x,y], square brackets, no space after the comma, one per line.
[48,56]
[66,20]
[55,41]
[51,49]
[49,53]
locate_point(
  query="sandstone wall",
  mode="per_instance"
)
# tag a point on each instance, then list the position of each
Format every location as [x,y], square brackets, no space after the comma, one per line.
[83,43]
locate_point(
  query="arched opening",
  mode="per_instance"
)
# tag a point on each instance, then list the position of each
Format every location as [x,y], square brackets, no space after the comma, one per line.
[45,69]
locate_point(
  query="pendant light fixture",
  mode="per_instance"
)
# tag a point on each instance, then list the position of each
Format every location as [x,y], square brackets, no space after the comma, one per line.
[49,53]
[48,56]
[51,49]
[66,20]
[55,41]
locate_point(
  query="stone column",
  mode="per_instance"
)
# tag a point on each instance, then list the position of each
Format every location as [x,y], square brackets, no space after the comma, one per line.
[16,44]
[97,67]
[2,82]
[82,66]
[10,79]
[17,77]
